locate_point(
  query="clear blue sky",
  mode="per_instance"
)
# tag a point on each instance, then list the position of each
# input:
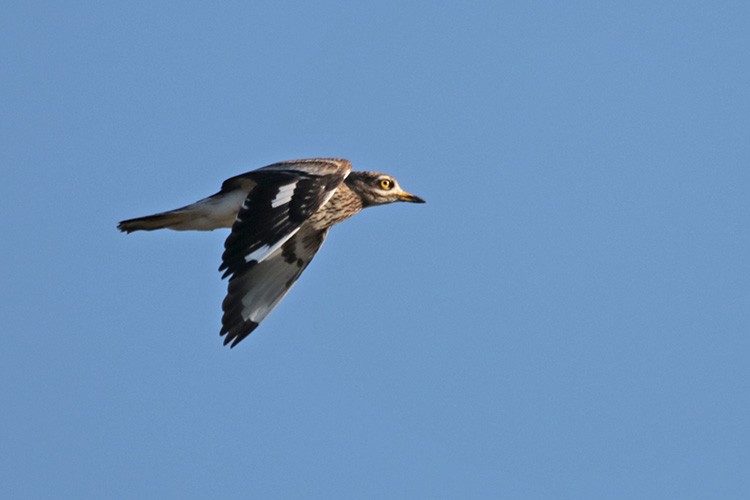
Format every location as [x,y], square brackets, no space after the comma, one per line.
[567,317]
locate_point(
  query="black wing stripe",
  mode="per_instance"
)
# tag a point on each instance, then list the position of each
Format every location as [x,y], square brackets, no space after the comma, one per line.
[257,224]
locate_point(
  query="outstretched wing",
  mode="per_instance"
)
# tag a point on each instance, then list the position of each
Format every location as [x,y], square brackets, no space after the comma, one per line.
[254,291]
[267,249]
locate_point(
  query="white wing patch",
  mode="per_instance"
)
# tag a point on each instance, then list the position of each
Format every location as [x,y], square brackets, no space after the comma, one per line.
[284,195]
[257,254]
[260,254]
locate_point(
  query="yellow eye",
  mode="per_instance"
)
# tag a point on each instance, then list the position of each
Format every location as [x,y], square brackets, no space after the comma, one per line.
[386,184]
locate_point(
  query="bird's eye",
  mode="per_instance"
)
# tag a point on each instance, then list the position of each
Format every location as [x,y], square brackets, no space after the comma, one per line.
[386,184]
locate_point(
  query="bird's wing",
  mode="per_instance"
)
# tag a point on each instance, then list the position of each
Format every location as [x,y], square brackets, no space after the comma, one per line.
[267,250]
[285,195]
[255,290]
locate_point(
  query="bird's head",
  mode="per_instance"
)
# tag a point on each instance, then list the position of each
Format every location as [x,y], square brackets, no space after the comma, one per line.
[378,189]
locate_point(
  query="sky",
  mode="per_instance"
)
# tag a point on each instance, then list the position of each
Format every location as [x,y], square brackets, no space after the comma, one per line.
[567,317]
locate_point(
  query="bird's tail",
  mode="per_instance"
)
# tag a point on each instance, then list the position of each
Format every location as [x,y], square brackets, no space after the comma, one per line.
[214,212]
[175,219]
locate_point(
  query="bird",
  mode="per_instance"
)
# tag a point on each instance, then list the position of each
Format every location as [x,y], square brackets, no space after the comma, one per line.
[279,216]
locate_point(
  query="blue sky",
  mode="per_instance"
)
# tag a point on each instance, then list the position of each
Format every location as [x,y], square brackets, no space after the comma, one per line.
[567,317]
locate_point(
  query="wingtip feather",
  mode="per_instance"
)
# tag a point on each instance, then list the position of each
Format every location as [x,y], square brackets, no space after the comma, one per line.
[238,332]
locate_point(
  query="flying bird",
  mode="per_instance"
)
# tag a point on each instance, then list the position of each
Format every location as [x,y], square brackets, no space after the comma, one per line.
[279,216]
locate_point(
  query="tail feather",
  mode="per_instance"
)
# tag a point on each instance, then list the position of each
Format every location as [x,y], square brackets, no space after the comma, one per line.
[214,212]
[163,220]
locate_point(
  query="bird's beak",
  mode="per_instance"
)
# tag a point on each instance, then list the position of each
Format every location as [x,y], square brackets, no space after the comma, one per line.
[404,196]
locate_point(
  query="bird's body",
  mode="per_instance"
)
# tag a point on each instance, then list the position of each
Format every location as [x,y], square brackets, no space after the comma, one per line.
[279,215]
